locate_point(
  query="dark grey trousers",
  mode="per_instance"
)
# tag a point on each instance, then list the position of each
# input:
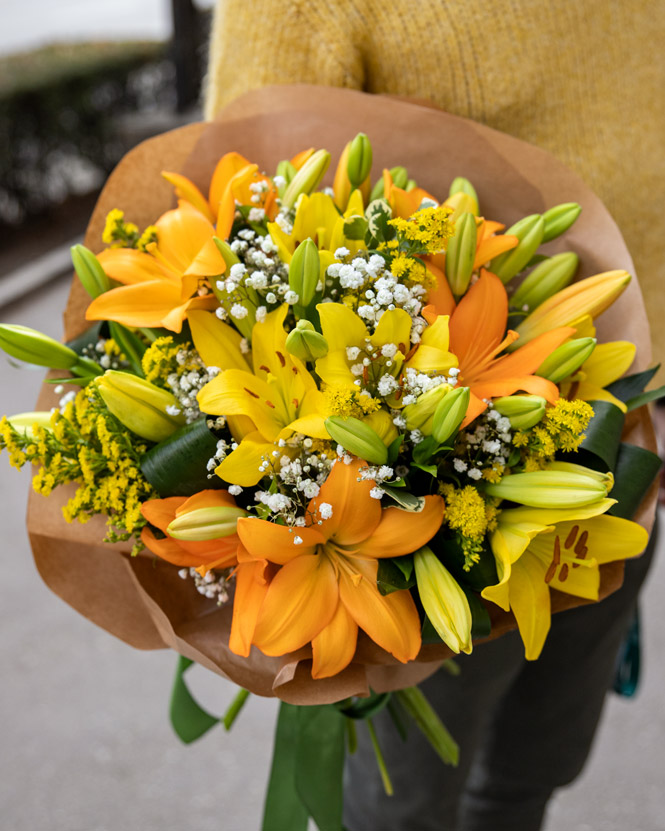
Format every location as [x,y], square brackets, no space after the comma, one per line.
[524,728]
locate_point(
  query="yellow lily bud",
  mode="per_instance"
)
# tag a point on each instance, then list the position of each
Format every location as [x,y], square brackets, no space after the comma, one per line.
[450,413]
[444,601]
[357,438]
[523,411]
[304,271]
[420,415]
[206,524]
[139,405]
[546,279]
[89,271]
[462,185]
[306,343]
[460,254]
[461,203]
[359,163]
[529,232]
[24,422]
[307,178]
[552,488]
[559,219]
[570,467]
[566,359]
[586,297]
[33,347]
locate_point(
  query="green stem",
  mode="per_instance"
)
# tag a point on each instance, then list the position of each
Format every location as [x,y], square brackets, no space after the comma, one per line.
[415,703]
[351,735]
[381,762]
[234,709]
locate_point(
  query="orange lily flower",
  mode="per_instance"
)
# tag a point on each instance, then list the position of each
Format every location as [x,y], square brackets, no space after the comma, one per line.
[404,203]
[161,283]
[478,335]
[326,586]
[230,183]
[204,555]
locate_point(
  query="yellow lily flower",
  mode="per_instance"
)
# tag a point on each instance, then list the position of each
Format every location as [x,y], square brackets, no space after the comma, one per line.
[561,548]
[161,284]
[280,397]
[607,364]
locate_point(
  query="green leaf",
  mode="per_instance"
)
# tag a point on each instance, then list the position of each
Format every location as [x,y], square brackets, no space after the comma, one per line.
[424,450]
[645,398]
[320,765]
[234,708]
[632,385]
[407,501]
[87,339]
[390,577]
[83,381]
[189,720]
[177,465]
[130,345]
[355,227]
[481,624]
[433,470]
[283,807]
[394,448]
[359,708]
[636,468]
[414,702]
[405,565]
[603,435]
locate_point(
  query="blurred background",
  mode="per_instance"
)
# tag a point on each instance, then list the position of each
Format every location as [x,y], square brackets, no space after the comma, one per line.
[86,742]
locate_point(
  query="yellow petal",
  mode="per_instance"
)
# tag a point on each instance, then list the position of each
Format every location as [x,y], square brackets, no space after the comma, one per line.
[217,343]
[608,362]
[530,603]
[241,466]
[394,327]
[187,190]
[341,327]
[334,646]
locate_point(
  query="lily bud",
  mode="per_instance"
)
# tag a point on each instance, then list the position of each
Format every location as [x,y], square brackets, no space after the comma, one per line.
[444,601]
[420,414]
[286,170]
[462,185]
[586,297]
[89,271]
[552,488]
[529,232]
[24,422]
[357,438]
[139,405]
[206,524]
[306,343]
[400,179]
[304,271]
[523,411]
[450,413]
[546,279]
[460,254]
[33,347]
[461,203]
[359,161]
[566,359]
[559,219]
[307,178]
[228,255]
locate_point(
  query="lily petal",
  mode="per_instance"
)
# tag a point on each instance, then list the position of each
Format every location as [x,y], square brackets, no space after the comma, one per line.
[335,645]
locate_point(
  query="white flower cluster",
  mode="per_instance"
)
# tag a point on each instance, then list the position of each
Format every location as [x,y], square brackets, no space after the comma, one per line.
[488,445]
[415,384]
[185,386]
[214,585]
[379,474]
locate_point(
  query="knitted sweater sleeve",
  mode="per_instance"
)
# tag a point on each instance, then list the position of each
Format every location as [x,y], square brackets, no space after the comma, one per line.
[254,44]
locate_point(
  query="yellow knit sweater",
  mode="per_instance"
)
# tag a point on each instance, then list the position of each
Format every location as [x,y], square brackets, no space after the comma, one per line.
[583,79]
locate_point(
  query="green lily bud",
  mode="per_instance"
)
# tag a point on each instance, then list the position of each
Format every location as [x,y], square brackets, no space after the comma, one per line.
[462,185]
[450,413]
[529,232]
[228,255]
[306,343]
[606,479]
[461,203]
[559,219]
[24,422]
[552,488]
[357,438]
[360,160]
[400,179]
[566,359]
[139,405]
[420,414]
[411,185]
[286,170]
[89,271]
[33,347]
[307,178]
[304,271]
[546,279]
[206,524]
[444,601]
[523,411]
[460,254]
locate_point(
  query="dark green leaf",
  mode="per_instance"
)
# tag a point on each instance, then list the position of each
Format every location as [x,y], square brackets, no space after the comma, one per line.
[189,720]
[390,577]
[87,339]
[645,398]
[481,625]
[433,470]
[405,500]
[636,468]
[177,465]
[358,708]
[283,807]
[424,450]
[603,434]
[399,717]
[394,448]
[632,385]
[130,345]
[405,565]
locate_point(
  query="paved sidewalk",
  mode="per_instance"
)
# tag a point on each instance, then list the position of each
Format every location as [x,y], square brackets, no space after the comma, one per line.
[83,725]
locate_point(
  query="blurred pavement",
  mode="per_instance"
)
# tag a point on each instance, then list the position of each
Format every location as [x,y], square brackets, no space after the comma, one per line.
[86,742]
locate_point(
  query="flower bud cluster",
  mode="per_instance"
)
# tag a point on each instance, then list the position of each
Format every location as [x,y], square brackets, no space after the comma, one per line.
[185,385]
[214,584]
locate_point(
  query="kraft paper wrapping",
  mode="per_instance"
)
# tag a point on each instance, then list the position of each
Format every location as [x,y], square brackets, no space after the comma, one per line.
[142,600]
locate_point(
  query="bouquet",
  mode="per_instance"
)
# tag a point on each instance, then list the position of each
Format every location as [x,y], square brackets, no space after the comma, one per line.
[339,434]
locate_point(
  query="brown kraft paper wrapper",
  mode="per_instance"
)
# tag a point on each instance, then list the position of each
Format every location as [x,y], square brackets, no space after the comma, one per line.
[142,600]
